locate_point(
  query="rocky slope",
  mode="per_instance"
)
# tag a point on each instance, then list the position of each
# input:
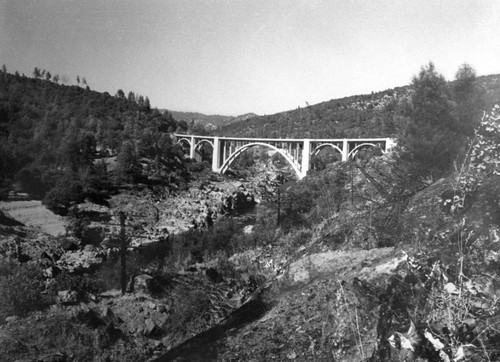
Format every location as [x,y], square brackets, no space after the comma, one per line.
[433,297]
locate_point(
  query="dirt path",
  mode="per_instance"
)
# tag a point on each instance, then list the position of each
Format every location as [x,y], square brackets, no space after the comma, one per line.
[33,213]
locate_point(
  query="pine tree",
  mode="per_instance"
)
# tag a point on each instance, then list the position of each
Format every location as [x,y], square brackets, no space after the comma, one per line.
[128,167]
[433,137]
[120,94]
[467,96]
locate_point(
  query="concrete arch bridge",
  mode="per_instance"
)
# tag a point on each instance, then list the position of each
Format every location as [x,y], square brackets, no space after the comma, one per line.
[297,152]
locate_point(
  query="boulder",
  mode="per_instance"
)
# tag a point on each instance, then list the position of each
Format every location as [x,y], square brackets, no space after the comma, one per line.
[142,283]
[89,316]
[67,297]
[70,243]
[248,229]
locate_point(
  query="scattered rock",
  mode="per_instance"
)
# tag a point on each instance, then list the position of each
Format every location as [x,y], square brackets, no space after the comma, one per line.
[248,229]
[11,319]
[82,260]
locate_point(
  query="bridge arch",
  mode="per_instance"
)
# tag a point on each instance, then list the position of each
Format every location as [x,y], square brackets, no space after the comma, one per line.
[325,145]
[185,140]
[358,148]
[200,144]
[243,148]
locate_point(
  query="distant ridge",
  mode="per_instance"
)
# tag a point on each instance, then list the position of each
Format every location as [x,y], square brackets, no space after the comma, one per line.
[210,122]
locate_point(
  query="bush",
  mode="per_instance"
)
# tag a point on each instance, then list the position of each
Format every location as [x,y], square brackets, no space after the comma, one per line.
[30,180]
[58,334]
[81,283]
[22,286]
[191,311]
[66,193]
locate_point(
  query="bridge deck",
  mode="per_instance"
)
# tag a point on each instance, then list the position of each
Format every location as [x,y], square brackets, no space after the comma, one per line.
[257,139]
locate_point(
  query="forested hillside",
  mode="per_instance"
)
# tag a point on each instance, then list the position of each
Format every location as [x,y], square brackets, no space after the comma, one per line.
[378,114]
[79,142]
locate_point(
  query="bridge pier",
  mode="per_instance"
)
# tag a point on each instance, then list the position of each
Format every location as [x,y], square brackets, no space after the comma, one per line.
[192,148]
[345,150]
[216,155]
[306,158]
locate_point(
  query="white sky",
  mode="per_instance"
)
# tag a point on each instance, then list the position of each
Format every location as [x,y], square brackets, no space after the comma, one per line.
[237,56]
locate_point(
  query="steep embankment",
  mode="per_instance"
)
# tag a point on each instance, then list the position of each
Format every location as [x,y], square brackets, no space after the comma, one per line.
[442,282]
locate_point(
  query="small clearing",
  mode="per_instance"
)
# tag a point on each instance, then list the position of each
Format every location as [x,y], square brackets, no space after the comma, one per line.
[33,213]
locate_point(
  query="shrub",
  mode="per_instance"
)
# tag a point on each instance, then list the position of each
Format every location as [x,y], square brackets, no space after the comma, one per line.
[66,193]
[22,287]
[30,180]
[82,283]
[58,334]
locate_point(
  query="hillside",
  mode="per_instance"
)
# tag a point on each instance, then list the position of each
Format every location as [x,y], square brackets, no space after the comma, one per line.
[370,115]
[79,142]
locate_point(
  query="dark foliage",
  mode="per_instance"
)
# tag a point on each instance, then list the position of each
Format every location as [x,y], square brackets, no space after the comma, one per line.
[51,132]
[440,120]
